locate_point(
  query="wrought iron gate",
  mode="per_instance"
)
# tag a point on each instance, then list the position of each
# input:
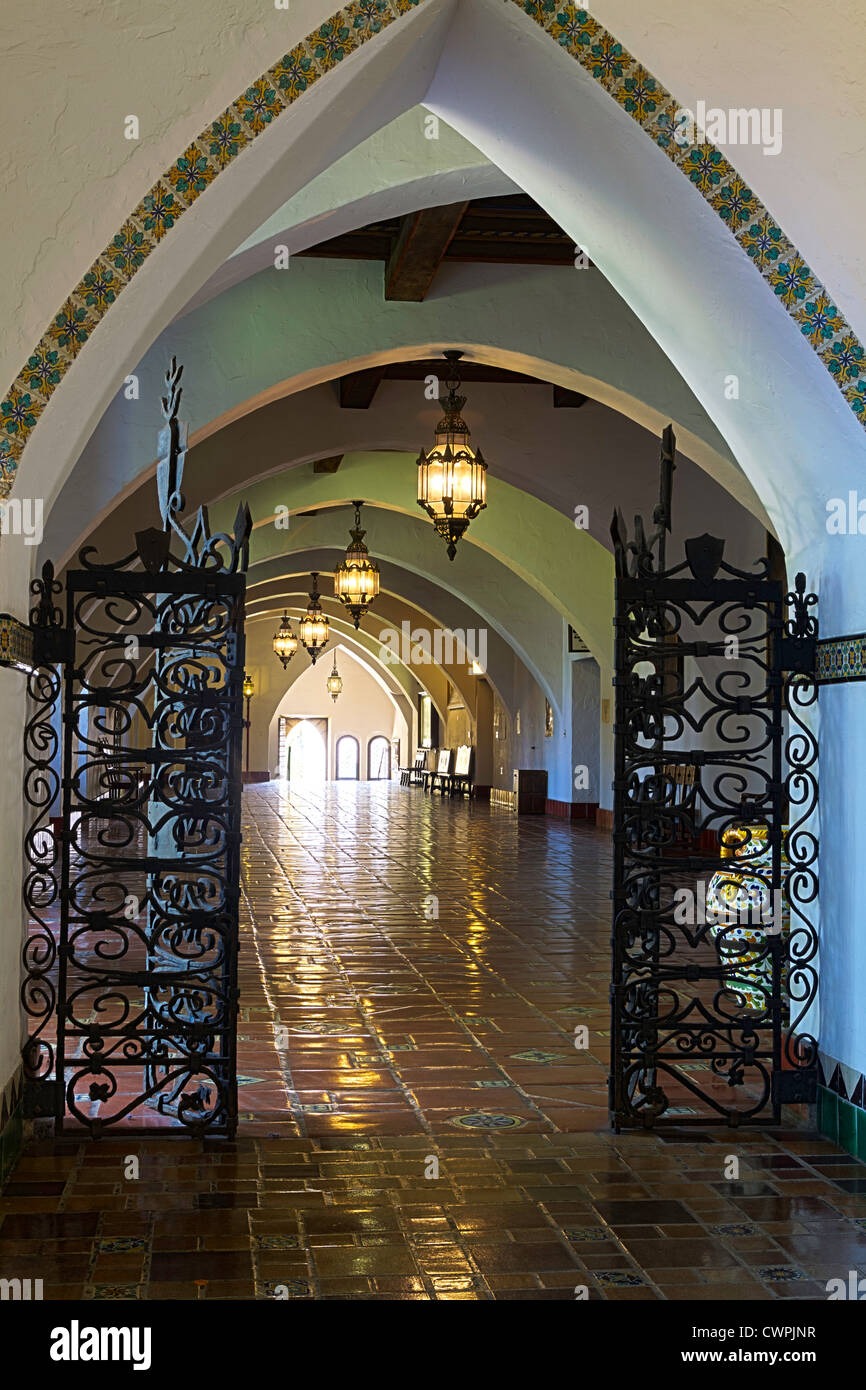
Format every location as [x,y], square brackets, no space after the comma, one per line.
[133,851]
[714,955]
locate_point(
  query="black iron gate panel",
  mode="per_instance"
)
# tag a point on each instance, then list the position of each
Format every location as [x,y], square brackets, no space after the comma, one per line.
[714,955]
[131,967]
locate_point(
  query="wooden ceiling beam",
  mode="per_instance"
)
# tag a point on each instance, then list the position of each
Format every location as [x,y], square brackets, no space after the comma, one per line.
[421,242]
[469,372]
[357,389]
[568,400]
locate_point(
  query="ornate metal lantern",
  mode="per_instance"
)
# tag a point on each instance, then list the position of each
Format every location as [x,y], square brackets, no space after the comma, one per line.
[334,681]
[314,629]
[356,579]
[285,641]
[248,687]
[452,477]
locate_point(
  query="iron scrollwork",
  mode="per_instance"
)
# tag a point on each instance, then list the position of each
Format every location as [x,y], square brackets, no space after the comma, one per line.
[715,791]
[801,841]
[141,951]
[41,885]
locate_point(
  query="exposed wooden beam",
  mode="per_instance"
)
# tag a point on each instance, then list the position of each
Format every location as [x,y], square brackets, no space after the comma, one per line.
[512,230]
[358,388]
[568,400]
[469,372]
[328,465]
[421,242]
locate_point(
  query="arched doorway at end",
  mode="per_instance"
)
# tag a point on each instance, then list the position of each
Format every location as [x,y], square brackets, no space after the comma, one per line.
[302,751]
[348,767]
[379,759]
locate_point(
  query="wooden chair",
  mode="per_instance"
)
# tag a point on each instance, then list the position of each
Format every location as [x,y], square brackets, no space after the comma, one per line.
[111,778]
[682,778]
[442,775]
[462,783]
[412,776]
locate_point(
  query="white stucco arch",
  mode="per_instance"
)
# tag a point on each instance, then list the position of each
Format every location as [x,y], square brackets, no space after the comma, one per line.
[655,240]
[284,333]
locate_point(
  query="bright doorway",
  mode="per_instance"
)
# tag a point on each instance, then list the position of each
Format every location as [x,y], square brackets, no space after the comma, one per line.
[378,759]
[303,756]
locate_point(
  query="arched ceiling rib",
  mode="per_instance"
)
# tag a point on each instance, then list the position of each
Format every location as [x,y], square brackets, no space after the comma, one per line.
[271,679]
[414,601]
[497,579]
[390,613]
[283,332]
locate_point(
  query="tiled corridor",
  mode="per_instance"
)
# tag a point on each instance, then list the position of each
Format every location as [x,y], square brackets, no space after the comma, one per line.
[416,1121]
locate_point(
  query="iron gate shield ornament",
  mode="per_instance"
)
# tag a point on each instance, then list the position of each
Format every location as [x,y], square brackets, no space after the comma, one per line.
[153,548]
[704,554]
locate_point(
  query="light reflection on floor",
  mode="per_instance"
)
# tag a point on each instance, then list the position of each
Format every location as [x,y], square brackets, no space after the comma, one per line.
[415,1120]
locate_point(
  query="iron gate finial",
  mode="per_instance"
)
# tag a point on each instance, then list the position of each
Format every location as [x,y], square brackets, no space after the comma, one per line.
[634,559]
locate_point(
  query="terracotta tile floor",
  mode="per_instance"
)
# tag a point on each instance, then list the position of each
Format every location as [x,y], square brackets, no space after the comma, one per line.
[412,972]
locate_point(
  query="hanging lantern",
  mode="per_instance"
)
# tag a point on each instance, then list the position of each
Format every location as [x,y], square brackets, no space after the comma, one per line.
[314,628]
[452,477]
[285,641]
[334,681]
[356,579]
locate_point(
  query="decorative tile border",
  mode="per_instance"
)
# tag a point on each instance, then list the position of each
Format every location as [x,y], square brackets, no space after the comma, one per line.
[841,659]
[773,255]
[11,1096]
[16,643]
[640,94]
[842,1080]
[11,1123]
[159,211]
[842,1105]
[571,810]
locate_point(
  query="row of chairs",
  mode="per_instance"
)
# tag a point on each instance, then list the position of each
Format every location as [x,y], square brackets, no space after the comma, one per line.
[682,777]
[453,772]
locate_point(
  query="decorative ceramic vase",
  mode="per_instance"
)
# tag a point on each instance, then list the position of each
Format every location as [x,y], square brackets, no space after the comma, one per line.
[744,920]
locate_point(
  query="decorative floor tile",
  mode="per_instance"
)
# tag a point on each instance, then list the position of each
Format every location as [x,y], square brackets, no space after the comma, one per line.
[349,1090]
[485,1120]
[534,1054]
[113,1292]
[114,1245]
[286,1288]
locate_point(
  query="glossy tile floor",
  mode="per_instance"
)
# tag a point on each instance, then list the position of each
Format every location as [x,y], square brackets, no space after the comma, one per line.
[416,1122]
